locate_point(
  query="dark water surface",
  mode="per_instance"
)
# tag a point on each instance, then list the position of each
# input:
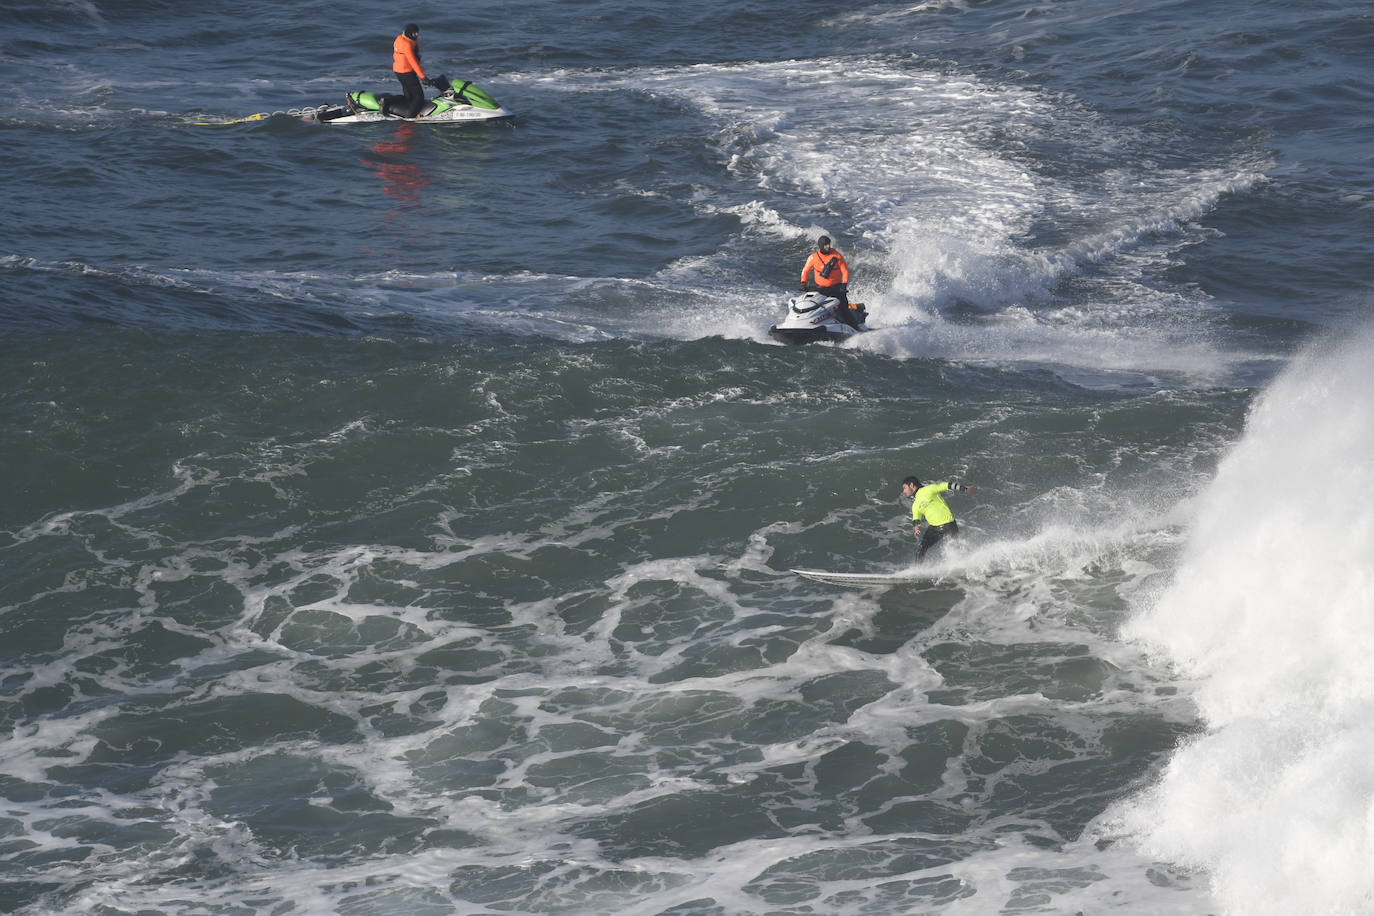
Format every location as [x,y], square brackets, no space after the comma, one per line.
[398,518]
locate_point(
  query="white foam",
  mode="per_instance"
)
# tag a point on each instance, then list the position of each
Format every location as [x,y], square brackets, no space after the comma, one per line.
[1271,612]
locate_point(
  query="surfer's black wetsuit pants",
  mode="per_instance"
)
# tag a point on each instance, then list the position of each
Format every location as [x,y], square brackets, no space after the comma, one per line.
[414,96]
[934,534]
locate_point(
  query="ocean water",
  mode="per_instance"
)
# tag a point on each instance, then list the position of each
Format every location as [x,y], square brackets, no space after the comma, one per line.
[397,519]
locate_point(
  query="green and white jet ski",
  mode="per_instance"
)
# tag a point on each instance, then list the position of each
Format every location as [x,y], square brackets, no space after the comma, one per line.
[456,103]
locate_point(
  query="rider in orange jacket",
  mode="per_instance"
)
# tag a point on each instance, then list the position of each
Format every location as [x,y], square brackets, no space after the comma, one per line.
[406,65]
[826,272]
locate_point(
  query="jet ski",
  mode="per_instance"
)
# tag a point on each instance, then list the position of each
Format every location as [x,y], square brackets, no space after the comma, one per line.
[814,316]
[460,103]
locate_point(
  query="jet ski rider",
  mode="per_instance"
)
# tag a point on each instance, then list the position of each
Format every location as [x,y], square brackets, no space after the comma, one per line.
[827,273]
[406,65]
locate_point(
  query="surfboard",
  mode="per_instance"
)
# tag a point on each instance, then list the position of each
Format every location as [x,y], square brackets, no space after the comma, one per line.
[861,580]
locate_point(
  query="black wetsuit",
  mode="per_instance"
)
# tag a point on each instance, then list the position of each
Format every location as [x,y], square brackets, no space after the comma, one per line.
[408,106]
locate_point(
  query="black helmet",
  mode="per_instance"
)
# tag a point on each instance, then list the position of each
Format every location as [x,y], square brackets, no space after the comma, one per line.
[823,242]
[411,31]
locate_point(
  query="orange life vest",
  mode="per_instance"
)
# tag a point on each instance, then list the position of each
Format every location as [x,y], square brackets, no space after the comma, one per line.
[827,269]
[406,56]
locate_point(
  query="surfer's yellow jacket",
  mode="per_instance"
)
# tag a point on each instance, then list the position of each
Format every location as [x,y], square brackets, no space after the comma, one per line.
[928,503]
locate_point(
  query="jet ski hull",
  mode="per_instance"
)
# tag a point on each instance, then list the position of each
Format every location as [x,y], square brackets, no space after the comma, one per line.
[814,318]
[798,336]
[341,115]
[462,103]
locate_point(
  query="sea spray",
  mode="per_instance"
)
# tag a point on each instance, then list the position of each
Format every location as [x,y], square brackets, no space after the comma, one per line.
[1270,612]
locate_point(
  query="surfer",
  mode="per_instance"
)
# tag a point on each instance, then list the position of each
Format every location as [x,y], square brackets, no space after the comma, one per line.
[826,272]
[928,504]
[406,65]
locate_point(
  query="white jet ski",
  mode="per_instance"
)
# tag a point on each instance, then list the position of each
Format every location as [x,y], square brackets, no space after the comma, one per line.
[814,316]
[456,103]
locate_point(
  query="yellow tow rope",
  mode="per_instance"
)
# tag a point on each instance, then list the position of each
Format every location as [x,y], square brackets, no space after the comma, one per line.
[260,116]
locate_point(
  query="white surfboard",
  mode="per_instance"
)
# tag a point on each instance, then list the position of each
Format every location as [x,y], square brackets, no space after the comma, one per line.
[863,580]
